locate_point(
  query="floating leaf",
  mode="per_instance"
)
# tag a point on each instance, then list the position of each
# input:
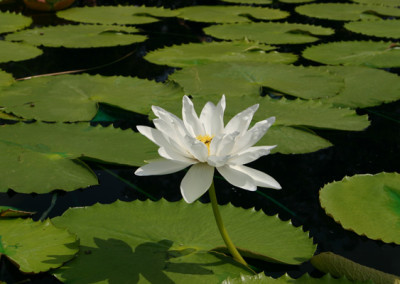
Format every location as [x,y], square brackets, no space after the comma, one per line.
[203,53]
[270,33]
[340,266]
[76,97]
[286,279]
[40,157]
[394,3]
[229,14]
[170,241]
[296,1]
[258,2]
[346,12]
[11,212]
[36,246]
[246,79]
[10,22]
[366,204]
[78,36]
[5,78]
[11,51]
[387,28]
[122,15]
[364,87]
[368,53]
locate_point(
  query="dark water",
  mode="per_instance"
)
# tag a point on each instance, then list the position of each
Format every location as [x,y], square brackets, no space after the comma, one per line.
[301,176]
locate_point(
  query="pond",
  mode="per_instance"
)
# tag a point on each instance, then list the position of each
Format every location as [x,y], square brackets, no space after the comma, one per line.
[69,112]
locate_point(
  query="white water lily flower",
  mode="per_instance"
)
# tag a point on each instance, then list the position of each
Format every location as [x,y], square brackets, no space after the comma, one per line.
[205,144]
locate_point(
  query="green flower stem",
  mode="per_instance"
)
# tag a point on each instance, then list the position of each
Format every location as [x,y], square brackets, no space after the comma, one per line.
[228,242]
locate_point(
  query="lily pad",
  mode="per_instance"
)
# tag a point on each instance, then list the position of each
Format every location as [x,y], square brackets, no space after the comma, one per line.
[36,246]
[78,36]
[270,33]
[11,51]
[236,79]
[40,157]
[383,28]
[258,2]
[76,97]
[394,3]
[175,247]
[11,212]
[6,79]
[204,53]
[346,12]
[295,1]
[364,87]
[366,204]
[10,22]
[367,53]
[121,15]
[229,14]
[286,279]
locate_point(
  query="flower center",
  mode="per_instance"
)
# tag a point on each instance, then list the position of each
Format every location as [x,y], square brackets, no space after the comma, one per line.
[206,139]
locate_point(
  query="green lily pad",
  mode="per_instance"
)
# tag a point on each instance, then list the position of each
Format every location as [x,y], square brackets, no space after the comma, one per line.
[346,12]
[6,79]
[229,14]
[40,157]
[121,15]
[270,33]
[40,98]
[11,212]
[11,51]
[204,53]
[171,241]
[10,22]
[258,2]
[367,53]
[295,1]
[286,279]
[364,87]
[394,3]
[247,78]
[383,28]
[36,246]
[340,266]
[78,36]
[366,204]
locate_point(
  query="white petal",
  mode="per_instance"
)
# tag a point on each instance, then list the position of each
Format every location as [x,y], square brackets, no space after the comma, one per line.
[241,121]
[197,148]
[172,120]
[261,179]
[216,161]
[237,178]
[153,134]
[190,118]
[161,167]
[212,117]
[226,144]
[170,153]
[170,132]
[249,155]
[252,136]
[196,182]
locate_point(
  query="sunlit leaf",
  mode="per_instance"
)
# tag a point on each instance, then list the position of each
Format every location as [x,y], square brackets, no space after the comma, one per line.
[379,2]
[258,2]
[366,204]
[340,266]
[296,1]
[367,53]
[10,51]
[78,36]
[286,279]
[5,78]
[121,15]
[386,28]
[364,87]
[270,33]
[170,242]
[203,53]
[10,22]
[346,12]
[76,97]
[229,14]
[36,246]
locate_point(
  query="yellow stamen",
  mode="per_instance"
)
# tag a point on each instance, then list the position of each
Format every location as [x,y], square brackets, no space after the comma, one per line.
[206,139]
